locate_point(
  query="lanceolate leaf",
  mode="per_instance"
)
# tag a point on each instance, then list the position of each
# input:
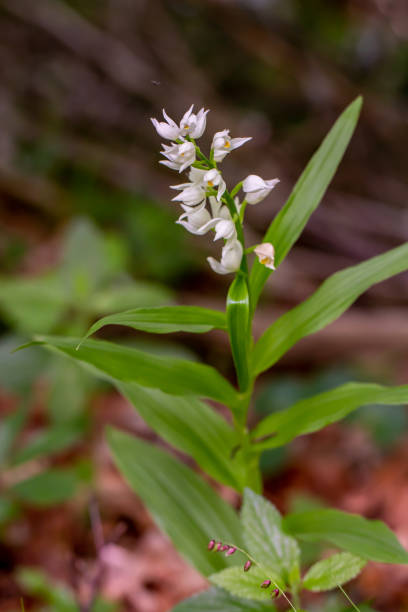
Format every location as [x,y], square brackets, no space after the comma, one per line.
[371,540]
[184,506]
[193,427]
[173,376]
[165,319]
[237,318]
[328,573]
[265,538]
[307,194]
[218,600]
[335,295]
[316,412]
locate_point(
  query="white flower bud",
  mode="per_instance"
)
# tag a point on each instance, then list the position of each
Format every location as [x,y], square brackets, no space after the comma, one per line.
[230,258]
[169,130]
[222,144]
[266,254]
[256,189]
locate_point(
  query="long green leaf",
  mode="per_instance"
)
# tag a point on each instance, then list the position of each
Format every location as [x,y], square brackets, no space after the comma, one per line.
[316,412]
[184,506]
[237,319]
[218,600]
[173,376]
[334,296]
[306,195]
[371,540]
[193,427]
[165,319]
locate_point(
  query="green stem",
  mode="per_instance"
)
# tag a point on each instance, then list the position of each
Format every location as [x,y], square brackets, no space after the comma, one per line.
[348,598]
[242,210]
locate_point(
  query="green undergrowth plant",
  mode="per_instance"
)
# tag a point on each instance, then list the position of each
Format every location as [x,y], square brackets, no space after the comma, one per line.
[169,392]
[90,280]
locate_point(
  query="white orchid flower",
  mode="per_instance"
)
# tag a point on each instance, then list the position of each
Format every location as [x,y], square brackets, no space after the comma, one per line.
[222,144]
[179,156]
[266,254]
[167,129]
[193,125]
[256,189]
[225,228]
[230,258]
[218,209]
[197,222]
[212,178]
[191,195]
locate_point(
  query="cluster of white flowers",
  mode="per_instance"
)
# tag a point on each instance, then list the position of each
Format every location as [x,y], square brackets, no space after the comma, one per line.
[206,181]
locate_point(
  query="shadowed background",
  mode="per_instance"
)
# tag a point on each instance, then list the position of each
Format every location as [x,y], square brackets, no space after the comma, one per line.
[88,228]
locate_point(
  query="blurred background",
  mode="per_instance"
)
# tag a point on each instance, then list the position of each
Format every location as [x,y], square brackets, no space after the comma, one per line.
[88,229]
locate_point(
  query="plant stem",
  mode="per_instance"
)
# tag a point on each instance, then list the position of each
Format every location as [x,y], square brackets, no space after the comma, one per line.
[348,598]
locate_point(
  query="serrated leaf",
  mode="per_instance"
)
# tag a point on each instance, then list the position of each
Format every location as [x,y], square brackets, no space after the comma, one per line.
[237,319]
[165,319]
[265,539]
[193,427]
[316,412]
[328,573]
[306,195]
[218,600]
[173,376]
[245,584]
[183,505]
[368,539]
[333,298]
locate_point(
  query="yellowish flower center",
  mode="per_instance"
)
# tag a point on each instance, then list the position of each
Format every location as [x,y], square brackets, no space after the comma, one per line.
[264,260]
[210,184]
[227,144]
[186,126]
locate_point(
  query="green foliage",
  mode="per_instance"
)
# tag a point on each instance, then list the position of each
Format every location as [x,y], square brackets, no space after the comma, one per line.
[330,572]
[174,376]
[325,305]
[265,540]
[37,584]
[47,442]
[192,427]
[316,412]
[165,319]
[306,195]
[47,488]
[218,600]
[166,390]
[368,539]
[184,506]
[245,584]
[238,322]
